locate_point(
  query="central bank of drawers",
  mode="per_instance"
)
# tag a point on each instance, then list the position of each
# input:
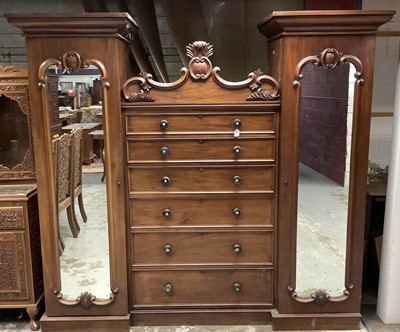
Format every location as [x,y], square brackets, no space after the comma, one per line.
[202,207]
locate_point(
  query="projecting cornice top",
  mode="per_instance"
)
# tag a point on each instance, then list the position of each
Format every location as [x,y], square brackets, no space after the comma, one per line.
[65,25]
[323,22]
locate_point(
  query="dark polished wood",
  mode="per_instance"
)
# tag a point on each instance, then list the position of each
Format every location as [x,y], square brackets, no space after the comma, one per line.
[297,38]
[194,211]
[67,40]
[203,289]
[201,171]
[165,286]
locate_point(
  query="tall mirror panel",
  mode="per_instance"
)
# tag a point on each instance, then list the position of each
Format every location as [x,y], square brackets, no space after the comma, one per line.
[76,122]
[325,132]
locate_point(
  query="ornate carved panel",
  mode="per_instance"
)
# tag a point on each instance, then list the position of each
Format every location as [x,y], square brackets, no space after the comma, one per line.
[11,217]
[14,85]
[138,89]
[13,283]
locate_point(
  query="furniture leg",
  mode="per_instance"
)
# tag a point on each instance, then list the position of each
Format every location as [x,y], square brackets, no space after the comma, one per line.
[33,321]
[81,208]
[73,225]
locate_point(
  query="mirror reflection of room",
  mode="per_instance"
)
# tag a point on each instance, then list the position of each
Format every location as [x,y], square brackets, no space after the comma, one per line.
[79,170]
[324,159]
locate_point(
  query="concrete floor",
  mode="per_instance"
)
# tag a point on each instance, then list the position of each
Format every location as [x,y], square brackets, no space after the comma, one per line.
[319,236]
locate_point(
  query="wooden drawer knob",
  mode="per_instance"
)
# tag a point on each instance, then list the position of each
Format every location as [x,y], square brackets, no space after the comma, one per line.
[164,151]
[165,181]
[237,212]
[168,288]
[237,179]
[167,213]
[167,249]
[237,287]
[237,248]
[236,150]
[163,124]
[237,123]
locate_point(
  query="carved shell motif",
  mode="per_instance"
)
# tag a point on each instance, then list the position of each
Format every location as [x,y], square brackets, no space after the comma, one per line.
[200,66]
[72,61]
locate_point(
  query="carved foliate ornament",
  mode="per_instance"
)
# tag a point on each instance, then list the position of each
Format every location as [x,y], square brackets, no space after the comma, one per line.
[138,88]
[200,66]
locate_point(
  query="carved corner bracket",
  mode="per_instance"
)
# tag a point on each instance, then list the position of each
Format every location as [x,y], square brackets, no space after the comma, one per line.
[320,296]
[200,69]
[86,299]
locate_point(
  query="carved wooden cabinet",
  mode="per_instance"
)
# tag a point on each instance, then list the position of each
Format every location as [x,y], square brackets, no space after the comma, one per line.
[21,282]
[201,176]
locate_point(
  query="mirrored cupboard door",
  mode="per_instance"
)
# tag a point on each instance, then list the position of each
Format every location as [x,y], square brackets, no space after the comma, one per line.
[325,42]
[62,43]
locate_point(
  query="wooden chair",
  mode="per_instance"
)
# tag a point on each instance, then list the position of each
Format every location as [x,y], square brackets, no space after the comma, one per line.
[76,174]
[62,171]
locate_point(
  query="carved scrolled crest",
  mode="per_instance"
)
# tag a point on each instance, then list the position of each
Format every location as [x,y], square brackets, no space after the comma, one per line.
[319,296]
[86,299]
[329,58]
[138,89]
[71,61]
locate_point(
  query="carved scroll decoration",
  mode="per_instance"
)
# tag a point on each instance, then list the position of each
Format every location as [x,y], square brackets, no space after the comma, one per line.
[200,69]
[71,61]
[14,85]
[328,59]
[86,299]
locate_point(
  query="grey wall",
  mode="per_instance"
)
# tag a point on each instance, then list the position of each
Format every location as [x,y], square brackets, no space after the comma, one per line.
[240,38]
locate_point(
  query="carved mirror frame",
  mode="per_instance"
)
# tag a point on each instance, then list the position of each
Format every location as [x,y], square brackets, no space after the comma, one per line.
[71,61]
[14,85]
[328,59]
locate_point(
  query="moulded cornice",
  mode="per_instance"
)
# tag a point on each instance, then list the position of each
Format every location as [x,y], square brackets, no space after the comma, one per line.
[64,25]
[319,22]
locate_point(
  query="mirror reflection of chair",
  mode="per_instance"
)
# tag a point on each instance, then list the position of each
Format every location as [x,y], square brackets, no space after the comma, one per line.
[62,169]
[76,172]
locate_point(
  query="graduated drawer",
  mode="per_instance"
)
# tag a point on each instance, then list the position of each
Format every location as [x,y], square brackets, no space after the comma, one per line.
[202,211]
[190,247]
[194,288]
[200,149]
[147,179]
[185,123]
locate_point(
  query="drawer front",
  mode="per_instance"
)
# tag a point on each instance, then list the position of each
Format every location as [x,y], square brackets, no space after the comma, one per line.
[231,211]
[195,179]
[14,282]
[201,149]
[200,122]
[202,247]
[12,217]
[220,287]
